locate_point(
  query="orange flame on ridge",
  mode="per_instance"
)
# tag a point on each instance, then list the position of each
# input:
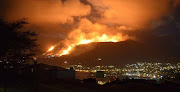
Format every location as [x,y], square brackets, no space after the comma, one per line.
[51,48]
[86,33]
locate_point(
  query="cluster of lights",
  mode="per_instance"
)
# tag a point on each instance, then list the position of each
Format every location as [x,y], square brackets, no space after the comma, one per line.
[140,70]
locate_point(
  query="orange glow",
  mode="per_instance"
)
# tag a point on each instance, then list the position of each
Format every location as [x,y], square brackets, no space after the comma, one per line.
[66,51]
[86,33]
[95,38]
[84,41]
[51,48]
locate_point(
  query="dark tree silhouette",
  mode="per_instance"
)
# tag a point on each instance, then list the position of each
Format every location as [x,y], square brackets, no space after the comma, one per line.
[17,46]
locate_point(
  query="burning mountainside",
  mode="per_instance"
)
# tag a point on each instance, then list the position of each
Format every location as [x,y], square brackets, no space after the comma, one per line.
[86,33]
[120,53]
[107,21]
[76,22]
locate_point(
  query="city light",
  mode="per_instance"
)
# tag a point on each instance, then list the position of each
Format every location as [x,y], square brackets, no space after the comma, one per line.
[140,70]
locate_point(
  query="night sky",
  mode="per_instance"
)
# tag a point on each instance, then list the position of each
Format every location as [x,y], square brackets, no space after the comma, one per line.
[150,29]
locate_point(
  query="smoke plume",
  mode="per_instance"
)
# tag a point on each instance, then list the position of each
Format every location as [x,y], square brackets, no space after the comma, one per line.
[74,22]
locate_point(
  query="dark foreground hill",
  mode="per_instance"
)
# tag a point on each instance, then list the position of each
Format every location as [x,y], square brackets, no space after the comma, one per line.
[91,86]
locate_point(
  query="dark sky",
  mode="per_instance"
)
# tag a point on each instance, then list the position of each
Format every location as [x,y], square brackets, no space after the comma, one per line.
[154,24]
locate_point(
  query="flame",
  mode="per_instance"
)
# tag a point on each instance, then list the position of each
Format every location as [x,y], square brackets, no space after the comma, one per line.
[51,48]
[102,38]
[84,41]
[86,33]
[66,51]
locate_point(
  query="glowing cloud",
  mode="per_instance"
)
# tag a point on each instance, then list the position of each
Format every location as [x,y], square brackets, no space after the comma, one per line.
[88,32]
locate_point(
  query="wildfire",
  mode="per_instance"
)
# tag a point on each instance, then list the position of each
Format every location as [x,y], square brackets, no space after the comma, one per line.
[102,38]
[51,48]
[66,51]
[84,41]
[86,33]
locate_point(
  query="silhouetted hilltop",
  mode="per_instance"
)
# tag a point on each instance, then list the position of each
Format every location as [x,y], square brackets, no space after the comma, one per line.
[121,53]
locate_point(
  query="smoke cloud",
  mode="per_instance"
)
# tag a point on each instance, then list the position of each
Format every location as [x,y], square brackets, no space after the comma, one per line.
[88,32]
[65,20]
[51,19]
[134,13]
[48,11]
